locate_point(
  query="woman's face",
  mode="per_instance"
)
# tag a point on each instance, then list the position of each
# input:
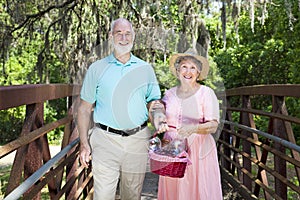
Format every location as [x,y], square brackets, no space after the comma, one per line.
[188,72]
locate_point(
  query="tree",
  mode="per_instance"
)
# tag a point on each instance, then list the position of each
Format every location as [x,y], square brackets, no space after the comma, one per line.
[55,41]
[268,55]
[70,34]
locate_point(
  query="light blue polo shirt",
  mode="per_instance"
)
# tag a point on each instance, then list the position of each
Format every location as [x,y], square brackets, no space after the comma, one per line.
[121,91]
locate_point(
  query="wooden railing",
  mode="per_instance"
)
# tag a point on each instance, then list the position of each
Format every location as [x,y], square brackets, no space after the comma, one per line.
[33,162]
[257,148]
[264,163]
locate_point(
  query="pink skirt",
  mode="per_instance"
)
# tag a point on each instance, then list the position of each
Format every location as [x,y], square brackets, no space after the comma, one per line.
[201,180]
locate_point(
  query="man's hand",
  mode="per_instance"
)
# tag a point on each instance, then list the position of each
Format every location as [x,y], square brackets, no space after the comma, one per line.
[84,154]
[158,117]
[159,122]
[83,119]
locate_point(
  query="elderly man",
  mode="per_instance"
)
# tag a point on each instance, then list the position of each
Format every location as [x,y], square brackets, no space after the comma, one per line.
[122,87]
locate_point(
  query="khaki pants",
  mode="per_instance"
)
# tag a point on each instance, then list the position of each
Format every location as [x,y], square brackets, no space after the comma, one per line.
[114,157]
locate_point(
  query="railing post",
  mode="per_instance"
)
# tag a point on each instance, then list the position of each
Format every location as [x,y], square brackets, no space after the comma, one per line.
[28,158]
[34,156]
[279,131]
[226,137]
[70,134]
[244,119]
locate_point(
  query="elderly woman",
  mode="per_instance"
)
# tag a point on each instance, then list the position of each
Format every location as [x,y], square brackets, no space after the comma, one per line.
[192,112]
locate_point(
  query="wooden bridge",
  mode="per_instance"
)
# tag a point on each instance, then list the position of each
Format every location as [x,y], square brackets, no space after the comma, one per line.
[258,151]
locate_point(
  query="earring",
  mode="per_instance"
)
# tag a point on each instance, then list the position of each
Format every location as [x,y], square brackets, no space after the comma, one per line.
[198,79]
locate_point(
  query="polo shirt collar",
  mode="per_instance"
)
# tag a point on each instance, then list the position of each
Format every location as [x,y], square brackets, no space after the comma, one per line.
[113,59]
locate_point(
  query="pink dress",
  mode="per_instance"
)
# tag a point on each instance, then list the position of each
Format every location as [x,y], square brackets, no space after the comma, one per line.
[201,180]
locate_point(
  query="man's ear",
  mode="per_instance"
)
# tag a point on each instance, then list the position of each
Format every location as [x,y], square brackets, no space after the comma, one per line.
[110,35]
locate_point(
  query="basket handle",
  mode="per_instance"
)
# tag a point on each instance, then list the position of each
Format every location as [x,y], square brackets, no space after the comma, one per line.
[156,132]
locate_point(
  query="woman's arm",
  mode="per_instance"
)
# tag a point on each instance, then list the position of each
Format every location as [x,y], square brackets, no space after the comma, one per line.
[204,128]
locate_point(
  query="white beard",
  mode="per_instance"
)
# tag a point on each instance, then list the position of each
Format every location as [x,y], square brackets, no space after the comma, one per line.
[120,50]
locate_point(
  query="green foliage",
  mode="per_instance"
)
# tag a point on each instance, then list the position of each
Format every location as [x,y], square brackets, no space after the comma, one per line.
[291,193]
[164,75]
[214,78]
[265,56]
[21,63]
[4,177]
[293,109]
[11,122]
[55,110]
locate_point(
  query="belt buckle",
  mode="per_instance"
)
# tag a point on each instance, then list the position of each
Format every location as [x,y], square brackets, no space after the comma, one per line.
[124,134]
[132,131]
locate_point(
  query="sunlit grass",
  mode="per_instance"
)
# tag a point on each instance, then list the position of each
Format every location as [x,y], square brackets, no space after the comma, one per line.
[4,177]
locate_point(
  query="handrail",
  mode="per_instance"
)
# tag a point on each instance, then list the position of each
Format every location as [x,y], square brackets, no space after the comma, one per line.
[21,189]
[34,93]
[290,90]
[32,148]
[264,113]
[267,135]
[244,151]
[264,160]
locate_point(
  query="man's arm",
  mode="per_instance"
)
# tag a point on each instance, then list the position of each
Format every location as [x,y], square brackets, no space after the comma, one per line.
[83,120]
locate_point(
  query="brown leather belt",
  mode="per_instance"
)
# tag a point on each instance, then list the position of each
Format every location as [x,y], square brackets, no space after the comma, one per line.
[123,133]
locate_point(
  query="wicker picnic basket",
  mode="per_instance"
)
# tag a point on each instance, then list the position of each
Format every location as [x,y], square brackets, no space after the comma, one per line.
[168,167]
[165,162]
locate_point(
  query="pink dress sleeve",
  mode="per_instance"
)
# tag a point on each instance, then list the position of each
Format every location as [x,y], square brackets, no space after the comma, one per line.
[210,105]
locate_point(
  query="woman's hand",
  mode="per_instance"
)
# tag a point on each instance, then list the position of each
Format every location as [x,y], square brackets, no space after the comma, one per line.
[187,130]
[205,128]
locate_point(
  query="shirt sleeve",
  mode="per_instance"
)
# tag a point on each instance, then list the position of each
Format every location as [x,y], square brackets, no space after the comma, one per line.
[153,92]
[88,90]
